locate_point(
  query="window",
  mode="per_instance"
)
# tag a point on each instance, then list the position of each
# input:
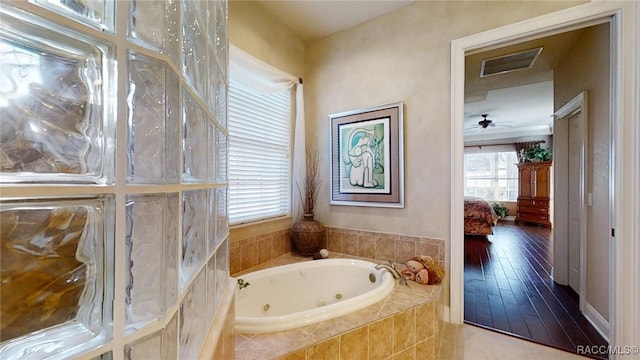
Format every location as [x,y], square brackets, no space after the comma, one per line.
[259,147]
[491,176]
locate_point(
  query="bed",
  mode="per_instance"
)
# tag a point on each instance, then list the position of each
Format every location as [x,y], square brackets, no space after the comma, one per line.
[479,217]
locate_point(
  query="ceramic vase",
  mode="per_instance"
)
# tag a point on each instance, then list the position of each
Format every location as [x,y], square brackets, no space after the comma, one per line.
[307,235]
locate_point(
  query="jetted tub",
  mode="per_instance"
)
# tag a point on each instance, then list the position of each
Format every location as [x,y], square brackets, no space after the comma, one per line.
[294,295]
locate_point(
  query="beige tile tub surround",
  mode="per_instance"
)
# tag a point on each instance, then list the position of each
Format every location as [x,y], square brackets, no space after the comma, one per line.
[383,246]
[253,244]
[404,326]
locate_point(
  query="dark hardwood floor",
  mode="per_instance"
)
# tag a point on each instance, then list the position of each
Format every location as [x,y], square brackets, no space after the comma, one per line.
[508,288]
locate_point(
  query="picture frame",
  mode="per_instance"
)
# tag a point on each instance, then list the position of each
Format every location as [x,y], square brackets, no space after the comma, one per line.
[367,157]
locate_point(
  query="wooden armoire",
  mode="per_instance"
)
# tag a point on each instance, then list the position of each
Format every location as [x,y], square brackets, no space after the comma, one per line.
[534,193]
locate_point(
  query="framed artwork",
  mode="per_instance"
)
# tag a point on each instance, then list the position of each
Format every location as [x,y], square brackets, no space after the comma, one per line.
[367,162]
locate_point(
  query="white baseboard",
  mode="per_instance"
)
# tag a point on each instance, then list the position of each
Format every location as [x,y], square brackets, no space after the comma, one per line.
[598,321]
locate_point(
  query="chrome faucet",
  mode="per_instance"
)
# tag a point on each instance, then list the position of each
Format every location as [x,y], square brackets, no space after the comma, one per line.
[394,272]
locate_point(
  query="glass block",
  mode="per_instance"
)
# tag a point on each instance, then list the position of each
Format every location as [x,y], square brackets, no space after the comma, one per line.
[99,14]
[212,76]
[200,9]
[221,160]
[221,100]
[170,339]
[105,356]
[153,130]
[173,134]
[147,23]
[57,275]
[144,238]
[192,320]
[222,217]
[195,141]
[211,21]
[171,248]
[222,270]
[174,42]
[212,68]
[194,48]
[194,222]
[213,151]
[146,117]
[56,106]
[149,347]
[162,344]
[211,236]
[151,242]
[212,305]
[221,40]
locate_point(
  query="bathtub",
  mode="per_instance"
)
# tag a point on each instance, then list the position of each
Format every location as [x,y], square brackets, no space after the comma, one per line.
[294,295]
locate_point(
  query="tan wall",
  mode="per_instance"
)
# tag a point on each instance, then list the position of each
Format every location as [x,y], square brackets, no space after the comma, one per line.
[255,31]
[401,56]
[586,67]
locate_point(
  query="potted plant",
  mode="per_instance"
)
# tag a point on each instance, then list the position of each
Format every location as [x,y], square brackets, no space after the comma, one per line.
[500,210]
[537,153]
[308,234]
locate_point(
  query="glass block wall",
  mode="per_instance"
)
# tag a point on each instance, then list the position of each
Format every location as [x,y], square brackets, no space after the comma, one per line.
[113,206]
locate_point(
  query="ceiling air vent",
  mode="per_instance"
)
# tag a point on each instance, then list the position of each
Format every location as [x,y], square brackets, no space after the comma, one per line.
[507,63]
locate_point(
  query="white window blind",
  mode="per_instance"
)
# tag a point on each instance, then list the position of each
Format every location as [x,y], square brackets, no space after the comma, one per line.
[259,147]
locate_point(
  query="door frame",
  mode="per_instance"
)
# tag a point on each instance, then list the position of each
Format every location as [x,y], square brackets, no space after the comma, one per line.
[625,175]
[561,252]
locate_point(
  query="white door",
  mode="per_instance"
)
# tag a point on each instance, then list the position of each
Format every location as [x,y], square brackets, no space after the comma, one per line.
[570,201]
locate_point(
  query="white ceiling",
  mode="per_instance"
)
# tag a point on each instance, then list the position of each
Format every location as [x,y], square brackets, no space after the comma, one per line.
[519,111]
[315,19]
[522,98]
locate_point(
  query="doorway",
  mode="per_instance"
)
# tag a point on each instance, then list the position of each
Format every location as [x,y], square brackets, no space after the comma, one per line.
[492,39]
[508,276]
[570,235]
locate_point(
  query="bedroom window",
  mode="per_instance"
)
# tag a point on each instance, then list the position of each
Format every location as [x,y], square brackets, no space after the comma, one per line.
[492,176]
[259,148]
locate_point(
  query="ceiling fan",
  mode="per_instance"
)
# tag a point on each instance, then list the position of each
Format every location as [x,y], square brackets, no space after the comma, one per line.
[485,123]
